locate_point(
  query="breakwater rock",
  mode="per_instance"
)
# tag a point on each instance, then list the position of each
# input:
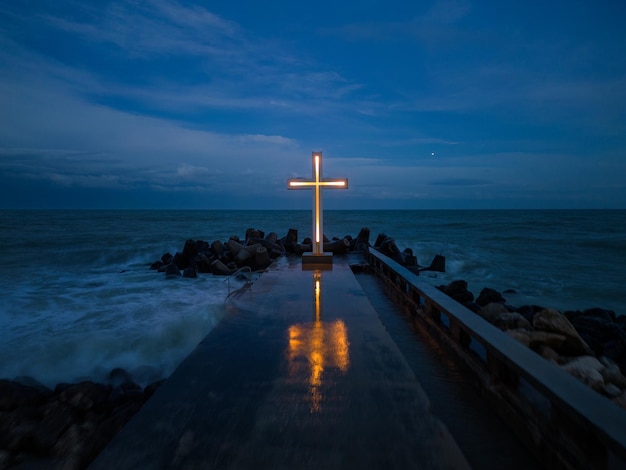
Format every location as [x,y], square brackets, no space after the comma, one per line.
[589,344]
[255,251]
[65,427]
[387,246]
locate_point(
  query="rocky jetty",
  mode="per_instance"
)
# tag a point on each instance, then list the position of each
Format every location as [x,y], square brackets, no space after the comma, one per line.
[255,251]
[589,344]
[387,246]
[65,427]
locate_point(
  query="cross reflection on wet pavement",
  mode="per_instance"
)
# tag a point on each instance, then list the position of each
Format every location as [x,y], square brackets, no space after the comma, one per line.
[320,346]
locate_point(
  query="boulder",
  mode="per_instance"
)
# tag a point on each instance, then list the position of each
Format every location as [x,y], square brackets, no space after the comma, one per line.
[253,233]
[16,395]
[389,248]
[491,312]
[529,311]
[218,248]
[511,320]
[458,291]
[167,258]
[234,246]
[118,376]
[156,265]
[362,241]
[551,320]
[218,268]
[601,332]
[612,374]
[538,339]
[190,272]
[172,270]
[202,263]
[246,254]
[488,296]
[520,335]
[337,247]
[548,353]
[290,242]
[85,396]
[274,249]
[587,369]
[261,258]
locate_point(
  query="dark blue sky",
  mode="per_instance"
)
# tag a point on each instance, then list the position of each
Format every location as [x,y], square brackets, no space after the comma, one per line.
[434,104]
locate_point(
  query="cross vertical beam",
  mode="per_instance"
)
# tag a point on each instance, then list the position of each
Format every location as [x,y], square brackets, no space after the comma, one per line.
[317,183]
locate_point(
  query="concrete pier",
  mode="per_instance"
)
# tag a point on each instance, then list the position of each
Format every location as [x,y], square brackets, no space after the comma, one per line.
[299,374]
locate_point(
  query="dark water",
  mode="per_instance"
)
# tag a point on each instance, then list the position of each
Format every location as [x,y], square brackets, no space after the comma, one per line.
[79,300]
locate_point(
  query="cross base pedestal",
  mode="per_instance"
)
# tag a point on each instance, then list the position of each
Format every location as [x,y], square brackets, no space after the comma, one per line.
[313,261]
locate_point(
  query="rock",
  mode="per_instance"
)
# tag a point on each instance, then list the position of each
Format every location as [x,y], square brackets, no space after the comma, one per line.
[553,321]
[172,270]
[521,336]
[181,260]
[548,353]
[85,396]
[529,311]
[538,339]
[491,312]
[362,241]
[218,248]
[128,391]
[261,258]
[611,391]
[458,291]
[246,255]
[234,247]
[290,242]
[16,395]
[389,248]
[118,376]
[203,263]
[598,328]
[190,250]
[613,375]
[488,296]
[220,269]
[253,233]
[5,459]
[57,418]
[156,265]
[190,272]
[337,247]
[167,258]
[511,320]
[274,249]
[587,370]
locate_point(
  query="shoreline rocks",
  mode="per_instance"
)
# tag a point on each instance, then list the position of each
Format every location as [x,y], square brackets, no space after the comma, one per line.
[588,344]
[257,251]
[64,427]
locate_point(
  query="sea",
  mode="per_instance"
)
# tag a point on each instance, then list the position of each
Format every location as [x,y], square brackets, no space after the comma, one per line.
[78,297]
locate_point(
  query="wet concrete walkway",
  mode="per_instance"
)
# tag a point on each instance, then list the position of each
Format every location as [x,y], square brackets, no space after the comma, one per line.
[299,374]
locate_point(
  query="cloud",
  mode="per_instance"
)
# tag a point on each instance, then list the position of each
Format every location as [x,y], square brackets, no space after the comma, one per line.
[191,171]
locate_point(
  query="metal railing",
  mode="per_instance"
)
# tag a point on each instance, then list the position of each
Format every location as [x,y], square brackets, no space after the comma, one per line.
[565,423]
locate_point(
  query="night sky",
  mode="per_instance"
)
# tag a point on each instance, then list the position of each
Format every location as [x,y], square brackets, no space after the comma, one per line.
[214,105]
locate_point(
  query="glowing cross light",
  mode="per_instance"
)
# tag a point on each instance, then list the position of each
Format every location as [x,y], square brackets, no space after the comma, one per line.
[317,183]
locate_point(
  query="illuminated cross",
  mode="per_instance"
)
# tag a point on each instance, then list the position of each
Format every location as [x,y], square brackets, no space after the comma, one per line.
[317,183]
